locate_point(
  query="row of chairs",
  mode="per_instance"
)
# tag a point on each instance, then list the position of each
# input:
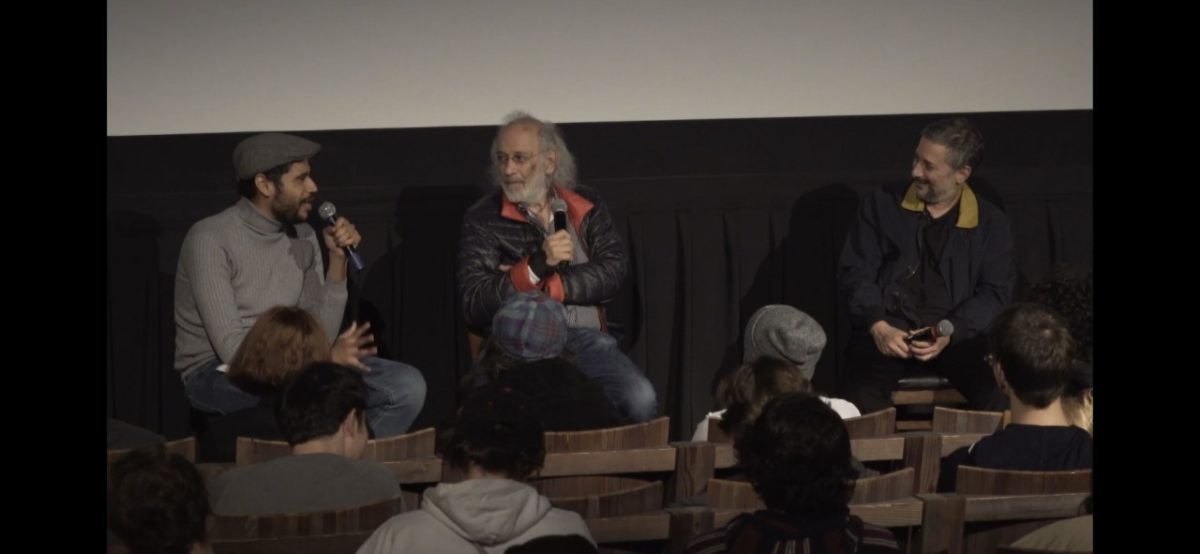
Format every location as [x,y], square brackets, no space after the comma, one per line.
[602,474]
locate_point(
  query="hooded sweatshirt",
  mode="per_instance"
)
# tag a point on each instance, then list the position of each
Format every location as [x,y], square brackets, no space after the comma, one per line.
[474,516]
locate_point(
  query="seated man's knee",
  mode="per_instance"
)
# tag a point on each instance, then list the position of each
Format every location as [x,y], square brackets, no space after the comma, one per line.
[641,399]
[401,383]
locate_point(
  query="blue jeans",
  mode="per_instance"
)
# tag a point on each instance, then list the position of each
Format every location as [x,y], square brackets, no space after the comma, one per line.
[624,383]
[395,394]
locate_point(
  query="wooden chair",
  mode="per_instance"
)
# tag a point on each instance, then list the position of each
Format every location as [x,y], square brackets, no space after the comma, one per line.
[1000,504]
[637,448]
[675,526]
[649,434]
[948,420]
[597,496]
[889,486]
[414,444]
[185,447]
[740,495]
[924,389]
[1008,549]
[874,424]
[939,517]
[347,543]
[335,531]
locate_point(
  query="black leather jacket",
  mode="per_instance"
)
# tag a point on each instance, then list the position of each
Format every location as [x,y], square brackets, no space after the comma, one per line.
[495,232]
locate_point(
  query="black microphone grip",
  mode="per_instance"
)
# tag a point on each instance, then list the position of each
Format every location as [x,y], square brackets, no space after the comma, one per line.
[560,223]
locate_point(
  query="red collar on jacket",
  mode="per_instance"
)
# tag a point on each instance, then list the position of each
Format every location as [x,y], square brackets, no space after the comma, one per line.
[577,207]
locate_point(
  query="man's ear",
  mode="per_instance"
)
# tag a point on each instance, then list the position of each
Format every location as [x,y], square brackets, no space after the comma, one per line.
[266,188]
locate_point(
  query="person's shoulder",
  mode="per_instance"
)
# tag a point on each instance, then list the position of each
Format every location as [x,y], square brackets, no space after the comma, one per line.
[875,537]
[585,191]
[397,533]
[710,542]
[373,470]
[214,225]
[486,205]
[566,521]
[989,210]
[234,477]
[843,407]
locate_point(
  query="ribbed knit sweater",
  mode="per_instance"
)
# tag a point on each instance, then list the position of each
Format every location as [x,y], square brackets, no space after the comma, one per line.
[234,266]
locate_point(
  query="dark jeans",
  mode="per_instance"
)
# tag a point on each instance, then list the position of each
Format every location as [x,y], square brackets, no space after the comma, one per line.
[395,394]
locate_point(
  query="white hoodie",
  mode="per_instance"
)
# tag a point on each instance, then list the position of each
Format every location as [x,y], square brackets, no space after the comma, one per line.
[477,515]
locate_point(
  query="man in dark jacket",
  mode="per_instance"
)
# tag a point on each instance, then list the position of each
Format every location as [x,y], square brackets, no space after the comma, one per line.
[511,243]
[919,253]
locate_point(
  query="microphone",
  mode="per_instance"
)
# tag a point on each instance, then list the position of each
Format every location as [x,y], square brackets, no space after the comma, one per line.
[559,206]
[929,334]
[329,213]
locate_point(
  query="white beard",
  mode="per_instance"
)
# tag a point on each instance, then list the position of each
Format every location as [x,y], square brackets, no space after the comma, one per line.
[534,191]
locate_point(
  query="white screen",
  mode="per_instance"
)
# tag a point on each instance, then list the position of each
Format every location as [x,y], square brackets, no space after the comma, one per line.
[253,65]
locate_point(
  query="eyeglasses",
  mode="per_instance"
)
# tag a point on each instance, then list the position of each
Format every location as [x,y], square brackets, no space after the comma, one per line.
[519,158]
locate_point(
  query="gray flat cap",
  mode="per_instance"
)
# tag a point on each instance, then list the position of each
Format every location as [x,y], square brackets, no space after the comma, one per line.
[786,333]
[264,151]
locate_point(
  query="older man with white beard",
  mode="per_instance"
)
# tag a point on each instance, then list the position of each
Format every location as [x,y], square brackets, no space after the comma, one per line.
[509,244]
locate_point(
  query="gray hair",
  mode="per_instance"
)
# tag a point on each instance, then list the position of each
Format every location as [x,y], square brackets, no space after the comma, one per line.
[549,138]
[962,139]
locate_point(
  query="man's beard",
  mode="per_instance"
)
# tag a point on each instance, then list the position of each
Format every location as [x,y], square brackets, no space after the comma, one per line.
[534,189]
[933,194]
[290,213]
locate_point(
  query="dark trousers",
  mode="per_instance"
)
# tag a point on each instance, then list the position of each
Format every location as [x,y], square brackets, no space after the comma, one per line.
[870,377]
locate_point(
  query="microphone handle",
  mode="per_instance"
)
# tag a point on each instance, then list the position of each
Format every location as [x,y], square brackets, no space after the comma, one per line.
[560,224]
[922,334]
[356,261]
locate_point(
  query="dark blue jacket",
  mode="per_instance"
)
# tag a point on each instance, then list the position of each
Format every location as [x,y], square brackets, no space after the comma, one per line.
[978,262]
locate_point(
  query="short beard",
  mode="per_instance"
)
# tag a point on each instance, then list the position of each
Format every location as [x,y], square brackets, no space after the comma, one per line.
[534,191]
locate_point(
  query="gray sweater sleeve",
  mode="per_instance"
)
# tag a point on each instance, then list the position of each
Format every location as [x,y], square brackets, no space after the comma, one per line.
[326,300]
[208,266]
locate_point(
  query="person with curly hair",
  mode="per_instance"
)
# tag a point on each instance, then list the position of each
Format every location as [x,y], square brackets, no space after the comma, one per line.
[157,503]
[797,456]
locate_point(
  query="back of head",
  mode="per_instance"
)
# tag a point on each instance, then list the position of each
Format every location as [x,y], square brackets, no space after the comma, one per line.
[499,431]
[1035,351]
[317,401]
[282,340]
[962,139]
[530,326]
[783,332]
[1070,293]
[157,502]
[797,455]
[747,390]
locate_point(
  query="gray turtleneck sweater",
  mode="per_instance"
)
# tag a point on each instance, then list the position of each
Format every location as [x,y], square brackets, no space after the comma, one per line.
[234,266]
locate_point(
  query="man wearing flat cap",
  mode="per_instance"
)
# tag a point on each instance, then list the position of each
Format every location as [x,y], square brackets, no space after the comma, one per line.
[258,254]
